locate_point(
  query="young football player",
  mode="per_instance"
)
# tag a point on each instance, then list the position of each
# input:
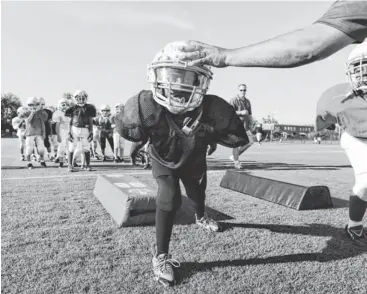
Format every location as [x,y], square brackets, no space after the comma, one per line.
[46,142]
[183,124]
[350,112]
[118,141]
[80,128]
[18,124]
[35,132]
[53,137]
[103,122]
[62,123]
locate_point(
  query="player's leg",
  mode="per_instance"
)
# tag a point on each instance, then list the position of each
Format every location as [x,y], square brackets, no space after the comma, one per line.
[29,143]
[55,145]
[86,150]
[121,149]
[116,151]
[71,148]
[41,149]
[168,201]
[21,146]
[111,142]
[195,190]
[356,151]
[235,156]
[103,146]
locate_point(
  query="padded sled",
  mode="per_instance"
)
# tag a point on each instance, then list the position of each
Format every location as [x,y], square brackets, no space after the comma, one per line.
[286,194]
[128,200]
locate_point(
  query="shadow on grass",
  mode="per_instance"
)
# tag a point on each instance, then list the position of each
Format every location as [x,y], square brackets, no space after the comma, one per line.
[338,247]
[185,215]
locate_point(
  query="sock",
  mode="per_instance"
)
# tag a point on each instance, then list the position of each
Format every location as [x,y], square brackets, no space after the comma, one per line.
[164,224]
[70,158]
[21,150]
[87,158]
[357,209]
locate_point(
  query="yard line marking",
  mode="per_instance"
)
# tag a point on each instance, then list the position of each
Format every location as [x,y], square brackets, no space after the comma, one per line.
[87,175]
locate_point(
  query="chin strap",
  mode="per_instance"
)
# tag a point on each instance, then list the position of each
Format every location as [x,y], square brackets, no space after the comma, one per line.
[191,125]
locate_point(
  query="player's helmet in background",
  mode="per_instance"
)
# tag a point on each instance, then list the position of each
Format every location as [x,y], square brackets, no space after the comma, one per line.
[21,109]
[23,112]
[356,68]
[119,107]
[80,97]
[168,76]
[42,102]
[105,110]
[33,103]
[62,104]
[52,108]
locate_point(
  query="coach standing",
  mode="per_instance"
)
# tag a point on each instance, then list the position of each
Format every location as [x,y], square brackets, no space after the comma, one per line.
[243,109]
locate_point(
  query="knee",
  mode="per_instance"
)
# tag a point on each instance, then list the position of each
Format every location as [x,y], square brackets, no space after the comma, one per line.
[360,186]
[169,194]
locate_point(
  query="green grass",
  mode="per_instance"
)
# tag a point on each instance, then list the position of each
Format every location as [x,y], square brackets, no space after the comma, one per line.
[57,237]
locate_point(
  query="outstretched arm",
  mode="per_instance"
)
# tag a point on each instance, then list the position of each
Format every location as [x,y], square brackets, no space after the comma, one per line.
[297,48]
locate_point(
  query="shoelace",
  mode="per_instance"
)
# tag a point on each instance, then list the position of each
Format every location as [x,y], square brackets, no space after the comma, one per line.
[162,263]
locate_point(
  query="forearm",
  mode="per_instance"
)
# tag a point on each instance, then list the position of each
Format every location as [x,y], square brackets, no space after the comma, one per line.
[293,49]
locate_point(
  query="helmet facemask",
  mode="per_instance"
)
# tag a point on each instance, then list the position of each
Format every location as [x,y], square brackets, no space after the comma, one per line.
[357,74]
[33,103]
[178,87]
[63,106]
[81,100]
[105,110]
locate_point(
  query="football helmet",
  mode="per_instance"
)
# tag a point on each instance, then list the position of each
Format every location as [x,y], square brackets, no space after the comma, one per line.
[33,103]
[21,109]
[356,68]
[80,97]
[62,104]
[119,107]
[105,110]
[42,102]
[176,85]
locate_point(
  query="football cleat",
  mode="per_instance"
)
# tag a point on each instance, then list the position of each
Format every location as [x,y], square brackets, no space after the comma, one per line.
[207,223]
[43,164]
[356,233]
[30,165]
[163,269]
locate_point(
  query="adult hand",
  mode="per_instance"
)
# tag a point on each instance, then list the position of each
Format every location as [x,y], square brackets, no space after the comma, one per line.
[198,53]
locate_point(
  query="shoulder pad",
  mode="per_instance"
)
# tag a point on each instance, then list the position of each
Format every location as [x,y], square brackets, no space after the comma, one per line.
[221,115]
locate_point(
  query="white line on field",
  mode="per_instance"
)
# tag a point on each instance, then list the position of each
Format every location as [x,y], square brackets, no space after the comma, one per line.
[88,175]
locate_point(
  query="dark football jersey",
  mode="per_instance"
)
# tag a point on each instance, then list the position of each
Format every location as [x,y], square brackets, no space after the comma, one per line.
[145,119]
[80,115]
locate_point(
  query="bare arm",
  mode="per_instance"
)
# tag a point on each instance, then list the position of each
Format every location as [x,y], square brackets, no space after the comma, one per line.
[293,49]
[297,48]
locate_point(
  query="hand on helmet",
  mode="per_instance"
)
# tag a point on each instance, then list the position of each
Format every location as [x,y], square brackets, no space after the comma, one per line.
[198,53]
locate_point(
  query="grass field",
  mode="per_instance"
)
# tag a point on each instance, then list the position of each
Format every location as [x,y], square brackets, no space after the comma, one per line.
[57,237]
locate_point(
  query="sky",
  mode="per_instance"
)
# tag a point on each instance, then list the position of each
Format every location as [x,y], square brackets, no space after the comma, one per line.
[48,48]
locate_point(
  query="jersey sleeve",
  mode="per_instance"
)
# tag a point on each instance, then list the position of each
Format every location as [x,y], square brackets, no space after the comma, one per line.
[91,111]
[348,16]
[69,112]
